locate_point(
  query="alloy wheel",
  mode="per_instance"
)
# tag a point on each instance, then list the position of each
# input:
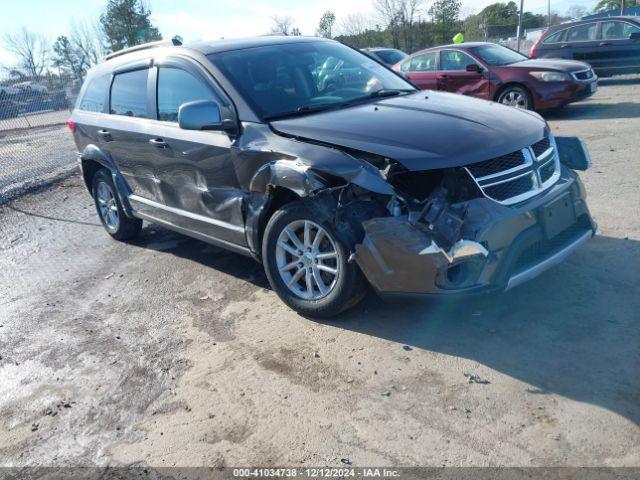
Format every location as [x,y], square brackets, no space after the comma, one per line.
[307,259]
[107,206]
[514,98]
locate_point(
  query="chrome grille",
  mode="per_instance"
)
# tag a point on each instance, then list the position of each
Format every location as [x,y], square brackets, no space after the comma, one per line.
[519,175]
[540,147]
[497,165]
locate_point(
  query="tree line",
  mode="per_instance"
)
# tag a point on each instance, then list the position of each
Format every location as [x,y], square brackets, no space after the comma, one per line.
[409,25]
[123,23]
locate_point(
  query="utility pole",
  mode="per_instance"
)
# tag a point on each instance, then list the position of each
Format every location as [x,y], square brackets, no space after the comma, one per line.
[623,7]
[549,13]
[520,23]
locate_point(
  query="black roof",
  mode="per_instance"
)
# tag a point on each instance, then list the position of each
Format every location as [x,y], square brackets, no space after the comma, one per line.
[218,46]
[141,52]
[562,26]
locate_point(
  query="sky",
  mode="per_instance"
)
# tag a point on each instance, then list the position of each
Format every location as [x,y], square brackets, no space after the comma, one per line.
[212,19]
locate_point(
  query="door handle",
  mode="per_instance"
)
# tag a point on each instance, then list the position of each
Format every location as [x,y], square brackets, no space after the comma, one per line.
[444,76]
[604,44]
[565,46]
[158,142]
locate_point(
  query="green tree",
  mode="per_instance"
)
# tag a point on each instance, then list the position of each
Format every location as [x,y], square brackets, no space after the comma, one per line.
[499,20]
[325,26]
[69,59]
[605,5]
[126,23]
[445,16]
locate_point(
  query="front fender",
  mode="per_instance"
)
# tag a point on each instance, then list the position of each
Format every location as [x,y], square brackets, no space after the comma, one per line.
[289,174]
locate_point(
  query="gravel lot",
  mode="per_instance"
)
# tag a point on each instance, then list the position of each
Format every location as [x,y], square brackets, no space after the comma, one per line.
[30,157]
[167,351]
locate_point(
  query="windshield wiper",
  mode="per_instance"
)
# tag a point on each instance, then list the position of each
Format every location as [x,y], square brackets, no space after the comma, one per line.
[304,110]
[383,92]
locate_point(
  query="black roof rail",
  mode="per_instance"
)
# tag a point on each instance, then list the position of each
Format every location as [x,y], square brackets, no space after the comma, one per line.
[176,41]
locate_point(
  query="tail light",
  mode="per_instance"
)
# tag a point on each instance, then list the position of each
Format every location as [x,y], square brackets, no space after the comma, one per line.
[532,54]
[72,125]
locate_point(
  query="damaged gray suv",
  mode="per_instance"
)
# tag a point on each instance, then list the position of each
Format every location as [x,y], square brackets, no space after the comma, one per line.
[329,168]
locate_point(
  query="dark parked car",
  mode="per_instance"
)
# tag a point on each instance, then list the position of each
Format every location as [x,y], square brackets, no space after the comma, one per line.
[234,143]
[388,56]
[494,72]
[610,45]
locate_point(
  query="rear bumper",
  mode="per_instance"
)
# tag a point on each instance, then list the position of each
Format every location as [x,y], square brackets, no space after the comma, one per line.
[397,259]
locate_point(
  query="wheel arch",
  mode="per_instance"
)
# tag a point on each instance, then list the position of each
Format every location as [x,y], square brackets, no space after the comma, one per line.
[93,160]
[274,185]
[516,84]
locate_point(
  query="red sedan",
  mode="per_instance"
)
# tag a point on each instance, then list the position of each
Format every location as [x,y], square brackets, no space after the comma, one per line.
[497,73]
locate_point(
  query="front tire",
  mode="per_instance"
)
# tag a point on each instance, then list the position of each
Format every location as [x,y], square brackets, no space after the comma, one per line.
[515,96]
[114,220]
[307,264]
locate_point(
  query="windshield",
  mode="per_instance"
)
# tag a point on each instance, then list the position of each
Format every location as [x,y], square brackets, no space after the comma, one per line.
[390,57]
[279,80]
[497,54]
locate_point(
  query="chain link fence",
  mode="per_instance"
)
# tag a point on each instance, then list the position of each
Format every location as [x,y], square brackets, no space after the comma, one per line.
[35,144]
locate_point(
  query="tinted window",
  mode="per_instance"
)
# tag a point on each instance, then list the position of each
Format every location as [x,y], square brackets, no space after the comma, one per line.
[129,94]
[425,62]
[289,77]
[582,33]
[555,38]
[390,57]
[617,30]
[96,94]
[176,87]
[497,54]
[454,60]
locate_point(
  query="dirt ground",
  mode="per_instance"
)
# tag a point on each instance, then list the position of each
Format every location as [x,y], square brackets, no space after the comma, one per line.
[167,351]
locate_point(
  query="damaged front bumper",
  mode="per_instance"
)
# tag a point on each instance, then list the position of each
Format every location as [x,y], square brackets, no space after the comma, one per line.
[500,247]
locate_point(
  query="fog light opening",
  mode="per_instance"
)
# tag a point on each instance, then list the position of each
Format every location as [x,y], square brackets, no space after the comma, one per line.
[458,274]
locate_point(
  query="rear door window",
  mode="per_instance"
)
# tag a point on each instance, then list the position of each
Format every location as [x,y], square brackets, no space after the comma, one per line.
[95,96]
[425,62]
[129,94]
[615,30]
[175,87]
[582,33]
[555,38]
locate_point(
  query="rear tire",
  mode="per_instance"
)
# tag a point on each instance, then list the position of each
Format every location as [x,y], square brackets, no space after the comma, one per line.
[515,96]
[298,250]
[114,220]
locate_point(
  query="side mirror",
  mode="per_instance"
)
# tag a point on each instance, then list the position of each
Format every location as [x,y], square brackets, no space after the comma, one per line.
[474,67]
[634,36]
[202,115]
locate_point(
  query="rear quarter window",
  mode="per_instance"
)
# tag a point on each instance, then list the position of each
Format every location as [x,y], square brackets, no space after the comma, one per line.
[129,94]
[554,38]
[95,96]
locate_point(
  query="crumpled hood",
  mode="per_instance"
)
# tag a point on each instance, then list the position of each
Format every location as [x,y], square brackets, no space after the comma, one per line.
[423,131]
[551,64]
